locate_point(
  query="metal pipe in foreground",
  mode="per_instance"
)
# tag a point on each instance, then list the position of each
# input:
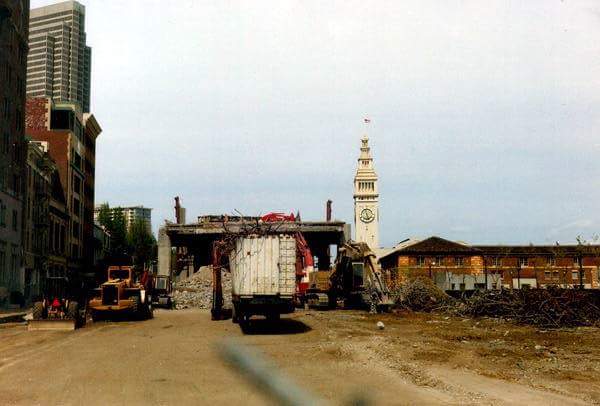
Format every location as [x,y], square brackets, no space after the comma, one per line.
[263,376]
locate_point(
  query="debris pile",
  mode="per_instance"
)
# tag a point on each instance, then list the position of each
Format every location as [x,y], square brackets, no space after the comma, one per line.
[196,291]
[421,295]
[551,307]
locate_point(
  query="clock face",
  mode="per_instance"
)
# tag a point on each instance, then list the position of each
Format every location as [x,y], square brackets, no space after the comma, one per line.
[366,215]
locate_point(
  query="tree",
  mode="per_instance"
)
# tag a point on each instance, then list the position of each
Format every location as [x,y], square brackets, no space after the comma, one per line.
[141,243]
[104,217]
[120,250]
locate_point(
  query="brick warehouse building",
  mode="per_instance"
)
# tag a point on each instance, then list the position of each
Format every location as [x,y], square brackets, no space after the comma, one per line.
[459,266]
[71,138]
[14,26]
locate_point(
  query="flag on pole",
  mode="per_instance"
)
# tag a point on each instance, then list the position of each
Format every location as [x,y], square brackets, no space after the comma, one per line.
[367,120]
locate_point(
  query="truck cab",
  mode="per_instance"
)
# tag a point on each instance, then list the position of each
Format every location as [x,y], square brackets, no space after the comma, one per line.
[121,293]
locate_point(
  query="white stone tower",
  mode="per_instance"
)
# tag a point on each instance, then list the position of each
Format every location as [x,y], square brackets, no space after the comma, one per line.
[366,198]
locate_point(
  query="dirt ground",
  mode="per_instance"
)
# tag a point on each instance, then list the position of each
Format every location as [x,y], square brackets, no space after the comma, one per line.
[336,355]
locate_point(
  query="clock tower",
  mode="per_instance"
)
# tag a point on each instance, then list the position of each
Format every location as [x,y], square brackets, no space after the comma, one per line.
[366,198]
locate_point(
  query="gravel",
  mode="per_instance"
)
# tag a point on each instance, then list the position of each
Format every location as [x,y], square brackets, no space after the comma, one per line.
[196,291]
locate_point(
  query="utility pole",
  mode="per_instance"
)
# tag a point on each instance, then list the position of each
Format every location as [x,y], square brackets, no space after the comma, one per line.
[430,272]
[485,272]
[580,263]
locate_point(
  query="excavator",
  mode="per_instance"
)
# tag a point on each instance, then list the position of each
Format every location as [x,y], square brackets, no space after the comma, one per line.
[357,281]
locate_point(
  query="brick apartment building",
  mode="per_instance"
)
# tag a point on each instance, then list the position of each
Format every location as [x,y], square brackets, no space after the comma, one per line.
[71,138]
[14,27]
[459,266]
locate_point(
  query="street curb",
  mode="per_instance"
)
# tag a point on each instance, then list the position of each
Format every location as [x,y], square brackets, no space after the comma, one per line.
[12,324]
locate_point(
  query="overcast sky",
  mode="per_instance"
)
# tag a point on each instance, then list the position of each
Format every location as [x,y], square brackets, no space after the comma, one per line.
[485,115]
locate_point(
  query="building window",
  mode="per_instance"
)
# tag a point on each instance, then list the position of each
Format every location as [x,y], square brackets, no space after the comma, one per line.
[522,262]
[5,143]
[77,184]
[497,261]
[2,256]
[76,207]
[15,219]
[462,286]
[420,261]
[75,229]
[575,275]
[6,107]
[2,214]
[439,261]
[458,261]
[576,262]
[547,274]
[551,261]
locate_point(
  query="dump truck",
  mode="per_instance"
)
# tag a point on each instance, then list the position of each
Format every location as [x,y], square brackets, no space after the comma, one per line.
[263,274]
[121,294]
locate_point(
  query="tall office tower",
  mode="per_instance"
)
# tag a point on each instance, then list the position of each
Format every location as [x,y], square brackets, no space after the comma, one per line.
[14,21]
[59,62]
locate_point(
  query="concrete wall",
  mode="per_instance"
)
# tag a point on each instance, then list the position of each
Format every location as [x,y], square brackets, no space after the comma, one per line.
[164,252]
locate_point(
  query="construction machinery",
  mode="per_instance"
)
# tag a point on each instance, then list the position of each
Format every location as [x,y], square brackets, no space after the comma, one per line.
[354,282]
[121,294]
[357,280]
[263,276]
[162,292]
[317,294]
[269,269]
[55,314]
[59,308]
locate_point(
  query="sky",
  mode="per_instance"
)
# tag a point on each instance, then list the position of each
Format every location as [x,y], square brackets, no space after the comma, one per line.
[485,116]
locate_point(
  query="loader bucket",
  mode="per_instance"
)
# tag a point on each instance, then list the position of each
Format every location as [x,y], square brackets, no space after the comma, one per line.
[51,325]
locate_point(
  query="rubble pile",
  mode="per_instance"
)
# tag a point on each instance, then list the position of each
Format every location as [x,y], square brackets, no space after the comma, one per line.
[421,295]
[196,291]
[551,307]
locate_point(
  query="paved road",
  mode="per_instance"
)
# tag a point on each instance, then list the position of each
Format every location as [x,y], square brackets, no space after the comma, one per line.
[167,360]
[171,359]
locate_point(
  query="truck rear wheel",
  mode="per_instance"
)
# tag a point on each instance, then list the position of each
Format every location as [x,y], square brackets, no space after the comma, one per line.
[234,314]
[73,310]
[38,310]
[149,310]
